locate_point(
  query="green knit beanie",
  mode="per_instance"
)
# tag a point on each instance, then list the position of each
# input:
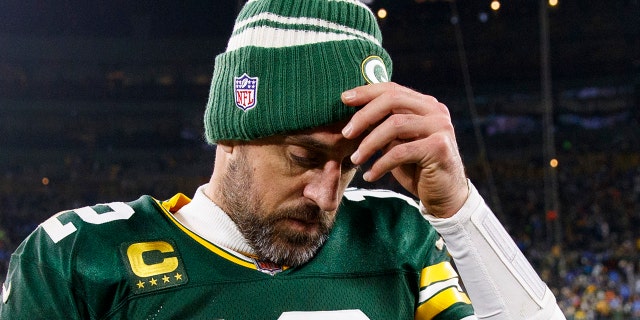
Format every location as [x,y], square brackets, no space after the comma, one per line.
[286,64]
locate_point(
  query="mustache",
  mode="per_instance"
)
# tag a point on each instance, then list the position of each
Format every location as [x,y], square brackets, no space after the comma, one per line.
[308,213]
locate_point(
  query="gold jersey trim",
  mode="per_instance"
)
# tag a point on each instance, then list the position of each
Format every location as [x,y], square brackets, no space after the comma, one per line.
[439,290]
[178,201]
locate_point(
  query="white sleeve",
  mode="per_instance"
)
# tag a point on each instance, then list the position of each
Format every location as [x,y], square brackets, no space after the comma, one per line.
[498,278]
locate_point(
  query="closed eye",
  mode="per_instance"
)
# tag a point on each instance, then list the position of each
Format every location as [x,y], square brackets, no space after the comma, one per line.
[306,162]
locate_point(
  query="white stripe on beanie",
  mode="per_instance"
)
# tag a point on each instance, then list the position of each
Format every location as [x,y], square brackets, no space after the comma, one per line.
[315,22]
[269,37]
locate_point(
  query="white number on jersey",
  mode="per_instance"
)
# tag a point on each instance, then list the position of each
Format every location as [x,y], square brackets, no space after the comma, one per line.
[58,231]
[324,315]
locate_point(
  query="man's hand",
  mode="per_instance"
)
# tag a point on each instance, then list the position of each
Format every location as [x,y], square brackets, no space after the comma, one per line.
[416,138]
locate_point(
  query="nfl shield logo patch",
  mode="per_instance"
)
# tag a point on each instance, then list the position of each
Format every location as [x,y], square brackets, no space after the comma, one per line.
[246,91]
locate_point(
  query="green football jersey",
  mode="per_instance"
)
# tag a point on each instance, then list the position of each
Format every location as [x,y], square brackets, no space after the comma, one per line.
[136,261]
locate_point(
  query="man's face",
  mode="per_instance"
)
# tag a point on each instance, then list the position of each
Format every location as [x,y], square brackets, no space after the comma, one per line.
[283,191]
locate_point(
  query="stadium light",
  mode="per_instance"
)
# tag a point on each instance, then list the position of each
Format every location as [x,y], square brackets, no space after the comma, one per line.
[382,13]
[495,5]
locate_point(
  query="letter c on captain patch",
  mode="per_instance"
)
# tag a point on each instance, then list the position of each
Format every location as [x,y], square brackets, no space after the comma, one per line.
[143,264]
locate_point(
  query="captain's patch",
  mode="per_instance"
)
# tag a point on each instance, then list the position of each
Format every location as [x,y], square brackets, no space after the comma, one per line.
[153,265]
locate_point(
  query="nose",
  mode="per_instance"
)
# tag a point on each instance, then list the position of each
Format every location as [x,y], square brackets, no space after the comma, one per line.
[322,187]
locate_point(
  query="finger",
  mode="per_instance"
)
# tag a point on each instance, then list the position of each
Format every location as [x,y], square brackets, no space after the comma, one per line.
[434,153]
[400,127]
[382,101]
[377,105]
[361,95]
[394,156]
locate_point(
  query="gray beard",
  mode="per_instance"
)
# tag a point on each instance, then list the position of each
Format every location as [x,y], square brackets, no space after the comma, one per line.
[261,229]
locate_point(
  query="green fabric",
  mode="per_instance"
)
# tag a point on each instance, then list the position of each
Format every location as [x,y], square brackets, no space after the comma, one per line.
[304,54]
[371,262]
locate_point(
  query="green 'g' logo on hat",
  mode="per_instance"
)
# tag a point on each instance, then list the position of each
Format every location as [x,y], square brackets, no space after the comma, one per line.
[374,70]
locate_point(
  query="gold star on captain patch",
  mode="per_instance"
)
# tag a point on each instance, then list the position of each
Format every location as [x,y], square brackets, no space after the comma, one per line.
[140,284]
[178,276]
[166,279]
[153,282]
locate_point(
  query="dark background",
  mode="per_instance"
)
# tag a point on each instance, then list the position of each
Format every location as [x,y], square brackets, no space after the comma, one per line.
[589,38]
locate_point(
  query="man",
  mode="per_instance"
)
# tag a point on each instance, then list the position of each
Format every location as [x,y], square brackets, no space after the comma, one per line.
[299,99]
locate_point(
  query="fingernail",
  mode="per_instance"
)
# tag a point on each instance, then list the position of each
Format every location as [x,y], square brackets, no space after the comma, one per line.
[348,95]
[366,176]
[346,131]
[355,156]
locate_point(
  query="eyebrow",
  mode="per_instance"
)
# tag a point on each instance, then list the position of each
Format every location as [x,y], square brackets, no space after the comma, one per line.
[309,142]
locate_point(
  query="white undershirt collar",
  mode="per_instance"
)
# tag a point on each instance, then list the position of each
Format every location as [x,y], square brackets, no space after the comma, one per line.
[204,218]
